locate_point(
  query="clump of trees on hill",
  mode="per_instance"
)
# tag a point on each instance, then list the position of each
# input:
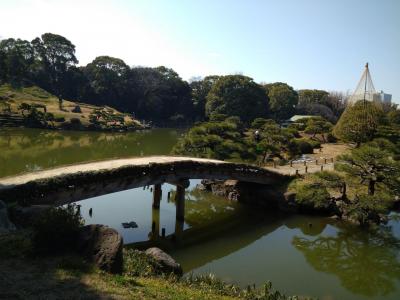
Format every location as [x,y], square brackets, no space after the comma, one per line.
[155,94]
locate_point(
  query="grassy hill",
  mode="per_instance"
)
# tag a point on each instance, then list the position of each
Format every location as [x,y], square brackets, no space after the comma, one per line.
[42,109]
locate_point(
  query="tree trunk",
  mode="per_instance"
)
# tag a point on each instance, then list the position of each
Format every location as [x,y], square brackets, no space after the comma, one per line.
[371,187]
[265,157]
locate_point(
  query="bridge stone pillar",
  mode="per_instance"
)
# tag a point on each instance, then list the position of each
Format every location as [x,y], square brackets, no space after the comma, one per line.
[180,203]
[157,196]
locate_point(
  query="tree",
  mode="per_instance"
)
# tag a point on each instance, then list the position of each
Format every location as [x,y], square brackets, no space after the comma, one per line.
[282,100]
[313,97]
[237,95]
[321,103]
[162,96]
[337,102]
[16,59]
[316,109]
[359,122]
[332,180]
[3,71]
[394,116]
[373,166]
[200,90]
[273,140]
[55,55]
[318,126]
[106,77]
[216,139]
[260,122]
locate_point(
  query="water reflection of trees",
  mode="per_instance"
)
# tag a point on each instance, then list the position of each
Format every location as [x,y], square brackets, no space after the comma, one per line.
[22,148]
[204,208]
[366,262]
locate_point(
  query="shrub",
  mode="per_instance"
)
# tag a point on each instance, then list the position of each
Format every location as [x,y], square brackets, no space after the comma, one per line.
[260,122]
[305,147]
[77,109]
[314,143]
[292,131]
[298,126]
[138,263]
[74,123]
[313,197]
[49,117]
[57,229]
[59,118]
[330,138]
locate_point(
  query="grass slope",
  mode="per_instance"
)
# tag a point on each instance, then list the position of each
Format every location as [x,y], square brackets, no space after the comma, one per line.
[13,97]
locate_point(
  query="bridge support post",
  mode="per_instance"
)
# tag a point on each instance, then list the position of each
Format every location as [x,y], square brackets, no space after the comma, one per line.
[157,196]
[155,225]
[180,203]
[179,230]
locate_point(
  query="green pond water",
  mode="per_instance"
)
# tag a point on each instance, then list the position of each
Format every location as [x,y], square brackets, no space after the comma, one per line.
[301,255]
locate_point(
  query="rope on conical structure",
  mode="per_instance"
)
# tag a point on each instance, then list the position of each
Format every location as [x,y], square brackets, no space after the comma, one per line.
[362,112]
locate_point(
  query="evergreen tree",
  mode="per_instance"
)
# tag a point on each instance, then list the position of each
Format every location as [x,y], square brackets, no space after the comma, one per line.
[359,122]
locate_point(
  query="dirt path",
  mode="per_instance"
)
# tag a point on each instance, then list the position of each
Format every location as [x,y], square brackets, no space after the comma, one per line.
[325,158]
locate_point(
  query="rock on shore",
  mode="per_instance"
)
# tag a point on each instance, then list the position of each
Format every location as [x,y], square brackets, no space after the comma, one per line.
[102,246]
[168,264]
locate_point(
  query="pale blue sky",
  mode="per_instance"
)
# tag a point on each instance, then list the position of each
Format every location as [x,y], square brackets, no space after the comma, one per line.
[306,43]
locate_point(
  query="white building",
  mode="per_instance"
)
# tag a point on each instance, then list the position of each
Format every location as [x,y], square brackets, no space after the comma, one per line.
[382,97]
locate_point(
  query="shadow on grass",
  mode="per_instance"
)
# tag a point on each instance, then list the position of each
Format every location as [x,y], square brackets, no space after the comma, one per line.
[55,277]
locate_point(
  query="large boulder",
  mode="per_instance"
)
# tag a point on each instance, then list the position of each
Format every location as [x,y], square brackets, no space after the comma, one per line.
[102,246]
[5,223]
[167,263]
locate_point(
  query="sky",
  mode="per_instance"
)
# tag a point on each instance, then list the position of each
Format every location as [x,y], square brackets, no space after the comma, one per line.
[313,44]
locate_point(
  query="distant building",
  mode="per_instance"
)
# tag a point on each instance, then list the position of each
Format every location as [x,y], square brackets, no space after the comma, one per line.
[295,118]
[382,97]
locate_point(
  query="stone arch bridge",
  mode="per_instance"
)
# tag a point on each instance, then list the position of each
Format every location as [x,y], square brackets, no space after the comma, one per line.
[81,181]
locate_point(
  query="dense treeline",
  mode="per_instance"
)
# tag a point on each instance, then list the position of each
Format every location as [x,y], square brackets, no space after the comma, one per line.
[156,94]
[50,62]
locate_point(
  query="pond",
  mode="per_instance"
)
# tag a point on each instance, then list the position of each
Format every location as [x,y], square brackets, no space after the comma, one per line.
[301,255]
